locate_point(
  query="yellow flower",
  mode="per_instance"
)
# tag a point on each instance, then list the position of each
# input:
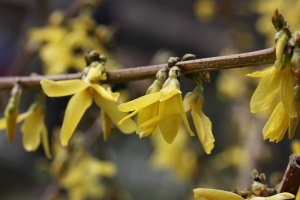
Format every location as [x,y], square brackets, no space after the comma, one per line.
[211,194]
[274,80]
[194,102]
[53,33]
[33,129]
[163,110]
[84,93]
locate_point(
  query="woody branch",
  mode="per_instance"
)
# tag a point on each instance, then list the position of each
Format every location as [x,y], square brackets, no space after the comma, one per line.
[265,56]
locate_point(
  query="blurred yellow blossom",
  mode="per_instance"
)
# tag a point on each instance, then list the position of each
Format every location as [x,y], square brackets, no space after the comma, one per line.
[78,172]
[166,109]
[179,156]
[84,92]
[295,146]
[205,10]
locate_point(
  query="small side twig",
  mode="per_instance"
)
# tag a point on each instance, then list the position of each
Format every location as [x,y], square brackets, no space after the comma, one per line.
[291,179]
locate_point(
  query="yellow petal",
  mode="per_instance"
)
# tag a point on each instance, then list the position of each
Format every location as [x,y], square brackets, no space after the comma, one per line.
[280,196]
[63,88]
[184,118]
[2,123]
[106,125]
[106,94]
[211,194]
[11,122]
[203,127]
[170,114]
[287,92]
[147,113]
[110,108]
[149,126]
[45,142]
[168,92]
[293,122]
[127,117]
[258,74]
[139,102]
[276,125]
[266,91]
[75,110]
[31,129]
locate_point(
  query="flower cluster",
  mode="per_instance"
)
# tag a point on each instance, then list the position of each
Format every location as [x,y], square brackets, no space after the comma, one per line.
[162,110]
[281,79]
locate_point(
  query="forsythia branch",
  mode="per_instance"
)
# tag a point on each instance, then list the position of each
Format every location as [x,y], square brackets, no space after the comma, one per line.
[255,58]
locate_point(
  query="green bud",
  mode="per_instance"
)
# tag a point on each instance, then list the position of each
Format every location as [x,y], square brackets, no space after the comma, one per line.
[188,57]
[91,56]
[172,61]
[278,20]
[254,173]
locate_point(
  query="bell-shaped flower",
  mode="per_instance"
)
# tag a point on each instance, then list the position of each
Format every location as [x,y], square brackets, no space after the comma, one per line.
[85,91]
[193,102]
[211,194]
[274,80]
[163,110]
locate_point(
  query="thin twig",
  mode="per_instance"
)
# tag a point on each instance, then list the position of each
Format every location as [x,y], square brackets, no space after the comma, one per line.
[291,179]
[266,56]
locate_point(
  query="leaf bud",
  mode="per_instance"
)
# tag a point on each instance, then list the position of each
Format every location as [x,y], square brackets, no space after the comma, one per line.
[278,20]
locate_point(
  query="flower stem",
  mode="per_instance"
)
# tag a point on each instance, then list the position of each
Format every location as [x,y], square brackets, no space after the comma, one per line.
[265,56]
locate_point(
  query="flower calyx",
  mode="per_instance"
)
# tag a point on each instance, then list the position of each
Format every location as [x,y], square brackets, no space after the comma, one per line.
[156,86]
[258,188]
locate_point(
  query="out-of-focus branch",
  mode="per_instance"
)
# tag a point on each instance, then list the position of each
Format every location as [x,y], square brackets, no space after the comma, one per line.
[291,179]
[266,56]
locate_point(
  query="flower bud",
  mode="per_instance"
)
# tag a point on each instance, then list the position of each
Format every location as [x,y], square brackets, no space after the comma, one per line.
[278,20]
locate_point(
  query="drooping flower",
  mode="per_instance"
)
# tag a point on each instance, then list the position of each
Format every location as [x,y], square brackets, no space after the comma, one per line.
[11,113]
[274,80]
[33,128]
[163,110]
[193,102]
[84,92]
[211,194]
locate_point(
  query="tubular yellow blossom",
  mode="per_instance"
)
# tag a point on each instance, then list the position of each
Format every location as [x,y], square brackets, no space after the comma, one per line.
[194,102]
[84,93]
[163,110]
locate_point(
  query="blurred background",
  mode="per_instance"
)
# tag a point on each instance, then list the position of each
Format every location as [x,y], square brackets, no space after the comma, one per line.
[136,33]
